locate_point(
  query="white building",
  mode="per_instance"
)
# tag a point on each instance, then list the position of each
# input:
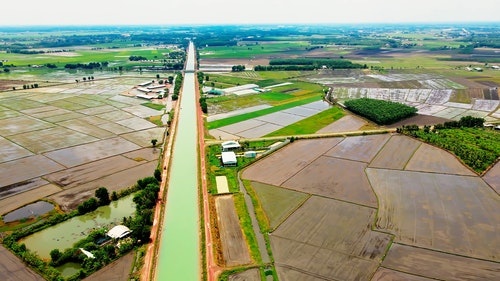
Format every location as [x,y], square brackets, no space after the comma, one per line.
[230,145]
[229,159]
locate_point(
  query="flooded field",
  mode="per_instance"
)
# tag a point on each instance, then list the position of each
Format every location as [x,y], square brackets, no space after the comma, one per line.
[74,136]
[433,217]
[31,210]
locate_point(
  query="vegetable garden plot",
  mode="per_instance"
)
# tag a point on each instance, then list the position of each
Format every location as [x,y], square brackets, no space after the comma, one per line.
[439,266]
[447,213]
[306,242]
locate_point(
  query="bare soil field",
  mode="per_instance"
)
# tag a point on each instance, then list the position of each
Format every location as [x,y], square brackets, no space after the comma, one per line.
[119,270]
[247,275]
[492,177]
[304,245]
[13,269]
[425,199]
[234,246]
[332,177]
[384,274]
[344,124]
[273,170]
[440,266]
[448,213]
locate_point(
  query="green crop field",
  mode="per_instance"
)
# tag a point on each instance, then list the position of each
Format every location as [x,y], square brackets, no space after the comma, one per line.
[311,124]
[253,50]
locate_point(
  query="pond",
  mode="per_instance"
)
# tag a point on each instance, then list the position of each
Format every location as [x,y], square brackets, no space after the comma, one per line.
[65,234]
[32,210]
[69,268]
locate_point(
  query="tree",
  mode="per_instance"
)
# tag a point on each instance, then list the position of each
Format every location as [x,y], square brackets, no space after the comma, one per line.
[103,195]
[153,142]
[157,174]
[157,76]
[55,255]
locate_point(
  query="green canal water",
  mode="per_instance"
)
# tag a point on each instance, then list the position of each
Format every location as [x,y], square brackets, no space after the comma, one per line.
[179,254]
[65,234]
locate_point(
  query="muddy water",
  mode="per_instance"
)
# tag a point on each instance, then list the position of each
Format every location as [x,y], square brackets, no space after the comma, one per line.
[32,210]
[64,235]
[179,255]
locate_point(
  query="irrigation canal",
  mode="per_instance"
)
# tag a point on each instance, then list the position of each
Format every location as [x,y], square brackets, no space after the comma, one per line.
[179,256]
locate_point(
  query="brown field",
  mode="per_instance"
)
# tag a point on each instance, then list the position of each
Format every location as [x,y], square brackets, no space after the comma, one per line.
[384,274]
[387,159]
[13,269]
[234,246]
[449,213]
[247,275]
[297,156]
[309,245]
[119,270]
[332,177]
[425,198]
[440,266]
[492,177]
[344,124]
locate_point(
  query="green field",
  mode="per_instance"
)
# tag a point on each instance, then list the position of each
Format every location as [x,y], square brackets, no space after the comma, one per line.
[251,50]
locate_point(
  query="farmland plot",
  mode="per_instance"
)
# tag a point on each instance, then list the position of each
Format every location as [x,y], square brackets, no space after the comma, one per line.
[279,167]
[448,213]
[332,178]
[492,177]
[306,243]
[440,266]
[278,203]
[235,250]
[428,158]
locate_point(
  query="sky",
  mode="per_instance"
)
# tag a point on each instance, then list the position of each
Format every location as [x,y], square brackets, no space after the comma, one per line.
[179,12]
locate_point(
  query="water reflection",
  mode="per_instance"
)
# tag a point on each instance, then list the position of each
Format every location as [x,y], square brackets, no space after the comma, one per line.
[32,210]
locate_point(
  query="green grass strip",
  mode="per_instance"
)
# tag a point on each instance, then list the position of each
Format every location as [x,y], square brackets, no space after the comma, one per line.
[310,125]
[155,106]
[250,115]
